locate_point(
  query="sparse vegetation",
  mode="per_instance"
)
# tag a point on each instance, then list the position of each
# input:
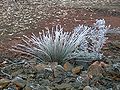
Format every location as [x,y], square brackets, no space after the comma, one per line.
[58,46]
[73,56]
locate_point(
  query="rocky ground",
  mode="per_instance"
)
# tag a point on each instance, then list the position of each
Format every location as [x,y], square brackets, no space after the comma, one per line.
[23,17]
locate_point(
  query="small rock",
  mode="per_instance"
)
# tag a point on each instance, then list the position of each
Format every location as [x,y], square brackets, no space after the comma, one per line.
[79,79]
[76,70]
[23,76]
[104,65]
[111,89]
[118,87]
[83,78]
[67,66]
[63,86]
[87,88]
[12,87]
[31,86]
[95,88]
[4,83]
[59,70]
[17,72]
[82,63]
[95,69]
[70,79]
[113,71]
[48,88]
[48,73]
[40,67]
[19,82]
[28,86]
[69,74]
[45,82]
[48,69]
[59,79]
[76,84]
[43,88]
[73,88]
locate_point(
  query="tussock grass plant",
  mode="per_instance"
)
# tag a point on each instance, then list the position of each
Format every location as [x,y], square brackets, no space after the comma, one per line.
[55,45]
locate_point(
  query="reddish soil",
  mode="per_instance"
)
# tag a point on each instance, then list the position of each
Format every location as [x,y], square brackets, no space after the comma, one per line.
[72,18]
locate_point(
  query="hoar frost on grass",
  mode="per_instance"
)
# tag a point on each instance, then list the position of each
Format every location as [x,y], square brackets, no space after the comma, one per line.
[94,40]
[58,46]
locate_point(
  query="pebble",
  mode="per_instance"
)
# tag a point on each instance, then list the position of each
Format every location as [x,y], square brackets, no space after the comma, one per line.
[19,82]
[68,67]
[40,67]
[76,70]
[87,88]
[4,83]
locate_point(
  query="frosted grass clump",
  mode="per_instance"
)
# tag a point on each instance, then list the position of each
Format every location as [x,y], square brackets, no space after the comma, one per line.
[53,45]
[95,38]
[58,46]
